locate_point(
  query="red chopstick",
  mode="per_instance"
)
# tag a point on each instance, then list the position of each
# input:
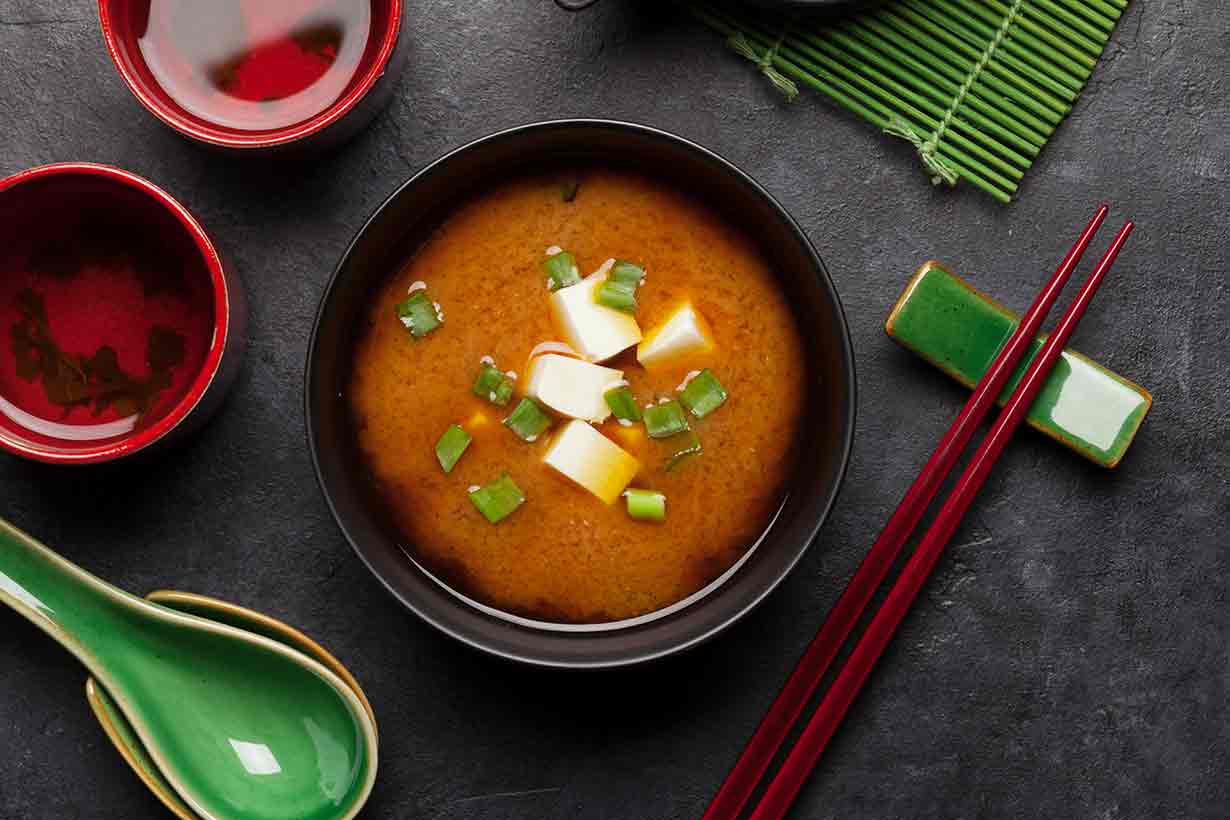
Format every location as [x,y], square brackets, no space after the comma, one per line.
[799,763]
[776,724]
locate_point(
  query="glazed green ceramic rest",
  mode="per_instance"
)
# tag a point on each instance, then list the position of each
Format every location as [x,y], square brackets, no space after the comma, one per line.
[242,726]
[1083,405]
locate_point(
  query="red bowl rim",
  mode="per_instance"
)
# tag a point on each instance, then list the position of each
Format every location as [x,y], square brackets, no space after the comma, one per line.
[139,439]
[224,137]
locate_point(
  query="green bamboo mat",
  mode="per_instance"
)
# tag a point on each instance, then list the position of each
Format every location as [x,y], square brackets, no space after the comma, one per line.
[977,86]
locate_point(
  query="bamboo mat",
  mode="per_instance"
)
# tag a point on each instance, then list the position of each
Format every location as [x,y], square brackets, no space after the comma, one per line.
[977,86]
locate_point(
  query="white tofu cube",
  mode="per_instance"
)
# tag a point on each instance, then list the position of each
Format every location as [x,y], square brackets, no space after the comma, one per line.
[570,386]
[685,333]
[592,460]
[596,331]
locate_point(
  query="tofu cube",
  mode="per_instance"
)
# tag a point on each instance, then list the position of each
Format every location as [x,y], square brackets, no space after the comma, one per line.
[596,331]
[570,386]
[631,438]
[684,333]
[584,455]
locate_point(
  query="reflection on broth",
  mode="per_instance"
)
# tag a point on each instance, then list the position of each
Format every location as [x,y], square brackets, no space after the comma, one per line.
[624,464]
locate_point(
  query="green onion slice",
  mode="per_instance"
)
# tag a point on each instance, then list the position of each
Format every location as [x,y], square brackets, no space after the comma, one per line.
[618,295]
[451,445]
[626,272]
[689,447]
[528,420]
[623,404]
[499,499]
[492,385]
[646,505]
[665,420]
[419,314]
[703,394]
[619,289]
[561,271]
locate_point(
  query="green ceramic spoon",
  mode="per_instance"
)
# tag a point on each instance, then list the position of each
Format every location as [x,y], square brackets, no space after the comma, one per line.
[125,739]
[243,727]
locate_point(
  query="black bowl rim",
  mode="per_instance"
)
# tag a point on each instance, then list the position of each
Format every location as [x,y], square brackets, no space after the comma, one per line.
[847,356]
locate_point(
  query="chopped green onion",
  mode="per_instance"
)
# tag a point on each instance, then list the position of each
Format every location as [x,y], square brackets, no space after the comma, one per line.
[618,295]
[492,385]
[665,420]
[499,499]
[561,271]
[646,505]
[528,420]
[619,289]
[451,445]
[623,404]
[703,394]
[627,273]
[419,314]
[690,447]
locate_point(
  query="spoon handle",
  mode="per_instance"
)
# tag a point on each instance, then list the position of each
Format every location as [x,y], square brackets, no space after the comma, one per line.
[83,613]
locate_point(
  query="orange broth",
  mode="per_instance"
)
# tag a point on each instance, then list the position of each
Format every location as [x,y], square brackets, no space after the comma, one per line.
[565,556]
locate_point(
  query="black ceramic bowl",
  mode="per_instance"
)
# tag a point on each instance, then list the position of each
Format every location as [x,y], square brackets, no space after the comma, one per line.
[408,217]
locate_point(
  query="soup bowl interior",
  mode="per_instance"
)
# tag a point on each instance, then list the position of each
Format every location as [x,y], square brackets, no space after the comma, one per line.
[126,22]
[409,217]
[94,261]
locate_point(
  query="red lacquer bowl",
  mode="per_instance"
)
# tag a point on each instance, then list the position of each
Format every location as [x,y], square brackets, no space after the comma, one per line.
[368,91]
[87,242]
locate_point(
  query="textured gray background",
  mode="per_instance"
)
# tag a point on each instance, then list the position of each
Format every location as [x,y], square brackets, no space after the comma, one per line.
[1069,658]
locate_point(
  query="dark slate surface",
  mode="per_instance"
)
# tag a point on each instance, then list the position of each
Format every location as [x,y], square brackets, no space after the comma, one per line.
[1069,658]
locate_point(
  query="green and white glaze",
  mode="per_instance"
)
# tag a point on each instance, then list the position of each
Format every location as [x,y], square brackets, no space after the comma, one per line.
[959,329]
[242,726]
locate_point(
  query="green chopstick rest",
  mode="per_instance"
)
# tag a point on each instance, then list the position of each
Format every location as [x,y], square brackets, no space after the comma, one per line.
[959,329]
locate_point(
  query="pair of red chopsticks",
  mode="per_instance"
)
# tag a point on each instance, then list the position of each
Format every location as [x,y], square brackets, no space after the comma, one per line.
[747,772]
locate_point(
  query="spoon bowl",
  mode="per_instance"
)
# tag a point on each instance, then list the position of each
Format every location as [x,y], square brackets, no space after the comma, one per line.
[125,739]
[240,725]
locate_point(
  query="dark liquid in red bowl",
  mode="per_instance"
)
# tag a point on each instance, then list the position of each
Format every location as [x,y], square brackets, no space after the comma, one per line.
[106,310]
[254,65]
